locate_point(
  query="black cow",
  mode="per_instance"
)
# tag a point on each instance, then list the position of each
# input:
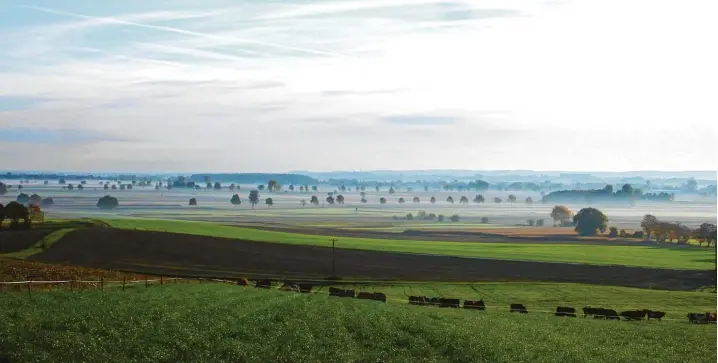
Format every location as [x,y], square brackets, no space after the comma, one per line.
[449,303]
[418,300]
[474,304]
[333,291]
[242,282]
[655,314]
[601,313]
[634,314]
[518,308]
[365,295]
[380,296]
[565,311]
[702,318]
[434,301]
[264,284]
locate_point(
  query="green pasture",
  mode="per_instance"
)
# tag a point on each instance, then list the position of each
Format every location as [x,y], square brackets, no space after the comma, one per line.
[646,256]
[227,323]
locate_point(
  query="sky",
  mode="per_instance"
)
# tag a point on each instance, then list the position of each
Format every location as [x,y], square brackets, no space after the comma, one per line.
[272,86]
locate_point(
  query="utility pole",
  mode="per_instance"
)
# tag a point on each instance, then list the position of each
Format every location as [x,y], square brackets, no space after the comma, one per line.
[334,240]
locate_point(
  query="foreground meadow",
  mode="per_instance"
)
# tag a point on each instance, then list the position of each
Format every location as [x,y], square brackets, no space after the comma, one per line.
[226,323]
[642,256]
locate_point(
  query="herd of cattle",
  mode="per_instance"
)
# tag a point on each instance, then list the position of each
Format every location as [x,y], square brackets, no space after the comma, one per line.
[564,311]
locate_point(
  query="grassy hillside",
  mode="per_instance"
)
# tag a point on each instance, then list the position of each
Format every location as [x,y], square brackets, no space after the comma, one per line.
[225,323]
[646,256]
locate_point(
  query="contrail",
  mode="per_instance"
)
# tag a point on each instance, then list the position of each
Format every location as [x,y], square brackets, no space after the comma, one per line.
[188,32]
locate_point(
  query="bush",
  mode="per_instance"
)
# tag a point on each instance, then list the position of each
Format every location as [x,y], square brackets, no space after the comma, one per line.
[441,217]
[485,220]
[613,232]
[409,217]
[531,222]
[637,234]
[454,218]
[539,223]
[431,216]
[622,233]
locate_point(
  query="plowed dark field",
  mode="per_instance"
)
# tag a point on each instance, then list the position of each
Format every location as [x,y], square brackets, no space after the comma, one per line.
[13,241]
[178,254]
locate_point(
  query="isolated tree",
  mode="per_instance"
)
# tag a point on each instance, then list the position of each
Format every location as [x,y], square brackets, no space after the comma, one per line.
[15,211]
[303,202]
[440,217]
[314,188]
[260,186]
[377,188]
[363,200]
[107,202]
[691,185]
[253,198]
[382,200]
[539,222]
[589,221]
[649,224]
[314,200]
[409,217]
[340,199]
[330,200]
[71,187]
[3,188]
[106,186]
[23,198]
[122,187]
[391,190]
[46,182]
[464,200]
[363,194]
[35,199]
[450,200]
[530,222]
[301,188]
[61,181]
[416,200]
[485,220]
[497,200]
[269,202]
[512,199]
[560,213]
[529,200]
[291,187]
[19,187]
[129,187]
[426,188]
[114,187]
[232,186]
[454,218]
[208,186]
[235,200]
[193,201]
[401,200]
[80,187]
[217,186]
[272,185]
[479,198]
[46,202]
[706,232]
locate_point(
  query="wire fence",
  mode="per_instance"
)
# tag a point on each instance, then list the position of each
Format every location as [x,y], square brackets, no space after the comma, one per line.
[103,284]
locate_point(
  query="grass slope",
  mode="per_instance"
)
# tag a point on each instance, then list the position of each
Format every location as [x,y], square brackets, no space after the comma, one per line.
[646,256]
[225,323]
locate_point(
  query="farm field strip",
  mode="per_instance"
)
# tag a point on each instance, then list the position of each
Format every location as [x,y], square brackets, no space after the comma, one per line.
[641,256]
[232,324]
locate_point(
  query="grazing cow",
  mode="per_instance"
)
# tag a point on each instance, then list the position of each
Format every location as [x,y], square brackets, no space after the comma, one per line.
[449,303]
[634,314]
[264,284]
[418,300]
[305,288]
[333,291]
[518,308]
[565,311]
[365,295]
[601,313]
[243,282]
[380,296]
[702,318]
[289,286]
[473,304]
[434,301]
[655,314]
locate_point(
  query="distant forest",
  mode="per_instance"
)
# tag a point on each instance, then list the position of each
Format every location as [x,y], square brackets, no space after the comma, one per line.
[252,178]
[625,194]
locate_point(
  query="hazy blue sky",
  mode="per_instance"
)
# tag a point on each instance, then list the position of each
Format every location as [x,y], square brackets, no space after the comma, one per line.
[224,85]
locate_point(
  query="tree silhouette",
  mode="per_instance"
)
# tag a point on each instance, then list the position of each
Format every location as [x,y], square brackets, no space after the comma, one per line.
[330,200]
[391,190]
[23,198]
[649,224]
[464,200]
[107,202]
[303,202]
[479,198]
[236,200]
[590,220]
[232,186]
[15,211]
[193,201]
[46,202]
[426,188]
[432,200]
[217,186]
[314,200]
[377,188]
[269,202]
[497,200]
[454,218]
[253,198]
[3,188]
[314,188]
[260,186]
[340,199]
[363,200]
[416,200]
[272,185]
[71,187]
[61,181]
[512,199]
[363,194]
[80,187]
[401,201]
[529,200]
[35,199]
[382,200]
[291,187]
[450,200]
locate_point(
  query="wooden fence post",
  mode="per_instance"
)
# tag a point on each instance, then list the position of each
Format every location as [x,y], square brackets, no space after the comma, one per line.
[146,281]
[102,283]
[123,282]
[71,285]
[161,281]
[29,288]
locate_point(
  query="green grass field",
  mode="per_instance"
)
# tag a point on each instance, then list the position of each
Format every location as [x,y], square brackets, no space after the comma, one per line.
[225,323]
[646,256]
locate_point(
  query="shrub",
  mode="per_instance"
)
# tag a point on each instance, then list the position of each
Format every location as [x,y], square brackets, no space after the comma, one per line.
[409,217]
[485,220]
[637,234]
[613,232]
[454,218]
[441,217]
[107,202]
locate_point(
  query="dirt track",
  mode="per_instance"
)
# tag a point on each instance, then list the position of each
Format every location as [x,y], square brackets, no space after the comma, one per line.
[165,253]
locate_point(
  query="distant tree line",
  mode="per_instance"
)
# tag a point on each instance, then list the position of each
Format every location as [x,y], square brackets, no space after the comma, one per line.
[663,231]
[626,193]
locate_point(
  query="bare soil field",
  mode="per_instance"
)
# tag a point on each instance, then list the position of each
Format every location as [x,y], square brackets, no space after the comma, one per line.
[13,241]
[189,255]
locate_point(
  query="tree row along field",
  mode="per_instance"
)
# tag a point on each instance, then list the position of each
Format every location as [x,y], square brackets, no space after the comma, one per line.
[219,322]
[644,256]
